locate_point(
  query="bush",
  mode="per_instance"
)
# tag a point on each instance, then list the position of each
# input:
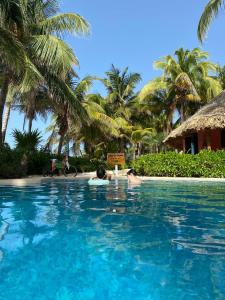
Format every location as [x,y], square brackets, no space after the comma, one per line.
[84,164]
[10,166]
[204,164]
[37,161]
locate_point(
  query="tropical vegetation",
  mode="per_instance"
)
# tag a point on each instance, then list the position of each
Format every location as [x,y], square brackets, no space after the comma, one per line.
[38,78]
[172,164]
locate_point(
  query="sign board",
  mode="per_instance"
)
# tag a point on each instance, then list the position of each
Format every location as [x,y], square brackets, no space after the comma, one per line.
[114,159]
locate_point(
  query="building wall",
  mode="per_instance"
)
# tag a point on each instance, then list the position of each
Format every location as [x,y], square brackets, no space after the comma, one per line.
[216,139]
[209,139]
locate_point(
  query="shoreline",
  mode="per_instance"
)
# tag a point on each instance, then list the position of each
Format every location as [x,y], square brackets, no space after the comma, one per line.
[33,180]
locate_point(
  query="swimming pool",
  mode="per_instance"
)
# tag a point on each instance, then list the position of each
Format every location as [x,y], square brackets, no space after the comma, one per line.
[64,240]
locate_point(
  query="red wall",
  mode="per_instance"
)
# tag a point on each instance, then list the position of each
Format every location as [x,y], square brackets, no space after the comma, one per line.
[210,139]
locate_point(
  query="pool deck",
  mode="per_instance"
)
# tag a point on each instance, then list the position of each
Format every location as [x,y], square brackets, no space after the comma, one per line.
[33,180]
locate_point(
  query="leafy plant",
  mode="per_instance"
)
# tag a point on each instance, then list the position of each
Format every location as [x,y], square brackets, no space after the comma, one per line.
[10,166]
[27,142]
[204,164]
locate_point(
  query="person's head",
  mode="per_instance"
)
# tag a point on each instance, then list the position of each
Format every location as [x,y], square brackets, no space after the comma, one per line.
[132,172]
[101,172]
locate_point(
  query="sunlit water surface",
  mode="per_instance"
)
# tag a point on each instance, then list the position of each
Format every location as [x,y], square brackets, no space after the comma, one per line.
[65,240]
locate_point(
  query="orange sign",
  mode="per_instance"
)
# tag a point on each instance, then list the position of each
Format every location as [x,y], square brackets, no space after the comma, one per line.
[116,159]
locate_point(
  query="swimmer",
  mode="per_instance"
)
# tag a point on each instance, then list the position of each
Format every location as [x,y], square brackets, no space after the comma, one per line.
[132,177]
[102,174]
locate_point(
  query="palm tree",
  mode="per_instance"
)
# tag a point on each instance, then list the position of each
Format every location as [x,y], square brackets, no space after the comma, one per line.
[33,104]
[32,51]
[10,98]
[210,12]
[140,136]
[70,111]
[99,131]
[120,86]
[221,76]
[156,100]
[187,78]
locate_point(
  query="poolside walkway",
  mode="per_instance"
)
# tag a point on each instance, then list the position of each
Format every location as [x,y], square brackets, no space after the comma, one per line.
[33,180]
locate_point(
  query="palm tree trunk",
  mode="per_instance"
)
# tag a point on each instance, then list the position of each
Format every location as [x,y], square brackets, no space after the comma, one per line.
[3,95]
[134,153]
[30,124]
[48,146]
[61,139]
[121,145]
[139,149]
[5,120]
[182,112]
[24,122]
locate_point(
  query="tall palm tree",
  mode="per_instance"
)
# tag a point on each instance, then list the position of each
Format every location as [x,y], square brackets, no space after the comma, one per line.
[99,131]
[70,112]
[10,98]
[100,127]
[156,100]
[210,12]
[33,104]
[120,86]
[32,51]
[139,137]
[186,76]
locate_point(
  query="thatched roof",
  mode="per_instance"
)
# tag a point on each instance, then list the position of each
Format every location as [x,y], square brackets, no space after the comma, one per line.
[210,116]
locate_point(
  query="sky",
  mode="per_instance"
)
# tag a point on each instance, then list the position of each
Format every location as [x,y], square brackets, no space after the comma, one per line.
[134,33]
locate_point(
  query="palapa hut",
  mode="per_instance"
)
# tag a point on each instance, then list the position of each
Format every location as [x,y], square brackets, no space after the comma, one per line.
[204,130]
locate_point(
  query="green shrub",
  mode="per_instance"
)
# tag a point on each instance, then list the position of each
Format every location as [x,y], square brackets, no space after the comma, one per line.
[37,161]
[84,164]
[204,164]
[10,166]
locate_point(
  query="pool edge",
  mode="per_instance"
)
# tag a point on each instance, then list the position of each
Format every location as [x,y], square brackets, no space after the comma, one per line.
[39,179]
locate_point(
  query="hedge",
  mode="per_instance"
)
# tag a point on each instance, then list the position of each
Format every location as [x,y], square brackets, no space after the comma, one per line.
[204,164]
[37,161]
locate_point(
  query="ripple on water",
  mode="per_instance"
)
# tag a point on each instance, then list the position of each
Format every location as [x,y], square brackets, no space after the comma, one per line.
[64,240]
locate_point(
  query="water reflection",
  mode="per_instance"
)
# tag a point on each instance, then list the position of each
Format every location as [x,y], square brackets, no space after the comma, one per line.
[159,239]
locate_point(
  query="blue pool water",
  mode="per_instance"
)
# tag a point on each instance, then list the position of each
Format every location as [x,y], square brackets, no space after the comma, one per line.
[65,240]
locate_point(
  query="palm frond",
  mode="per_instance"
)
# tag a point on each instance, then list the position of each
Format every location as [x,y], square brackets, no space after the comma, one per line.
[12,51]
[151,87]
[68,22]
[210,12]
[60,90]
[52,52]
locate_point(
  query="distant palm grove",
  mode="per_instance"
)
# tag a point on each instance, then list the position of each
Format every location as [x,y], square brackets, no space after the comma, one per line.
[38,77]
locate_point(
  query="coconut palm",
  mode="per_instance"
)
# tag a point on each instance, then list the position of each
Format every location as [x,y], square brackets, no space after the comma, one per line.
[10,99]
[210,12]
[33,104]
[156,100]
[120,87]
[32,51]
[138,137]
[70,111]
[221,76]
[186,77]
[101,127]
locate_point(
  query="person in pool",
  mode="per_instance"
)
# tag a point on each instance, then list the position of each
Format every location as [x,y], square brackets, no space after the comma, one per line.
[102,174]
[132,177]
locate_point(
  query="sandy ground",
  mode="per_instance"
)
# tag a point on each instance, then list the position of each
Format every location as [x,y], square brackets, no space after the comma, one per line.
[122,175]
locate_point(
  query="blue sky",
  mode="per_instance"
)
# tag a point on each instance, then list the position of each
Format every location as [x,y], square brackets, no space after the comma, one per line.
[135,33]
